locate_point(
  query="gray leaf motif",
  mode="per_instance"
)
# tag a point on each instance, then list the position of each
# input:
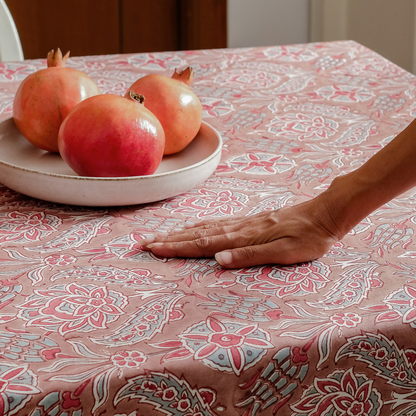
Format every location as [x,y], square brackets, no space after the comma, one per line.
[75,236]
[384,357]
[169,394]
[277,382]
[355,135]
[149,319]
[141,279]
[293,85]
[30,348]
[351,288]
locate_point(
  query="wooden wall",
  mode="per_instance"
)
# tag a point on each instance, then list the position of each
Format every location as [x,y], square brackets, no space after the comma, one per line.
[96,27]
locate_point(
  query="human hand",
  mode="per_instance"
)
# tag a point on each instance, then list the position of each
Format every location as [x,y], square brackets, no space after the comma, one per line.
[286,236]
[302,232]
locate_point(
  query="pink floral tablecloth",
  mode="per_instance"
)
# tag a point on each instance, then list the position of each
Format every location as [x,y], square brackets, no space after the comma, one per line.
[90,324]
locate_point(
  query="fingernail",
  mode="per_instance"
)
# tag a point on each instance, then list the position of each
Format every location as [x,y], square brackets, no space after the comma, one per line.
[224,257]
[146,241]
[154,245]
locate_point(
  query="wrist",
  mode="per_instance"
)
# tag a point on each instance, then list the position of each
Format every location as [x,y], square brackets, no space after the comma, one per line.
[348,200]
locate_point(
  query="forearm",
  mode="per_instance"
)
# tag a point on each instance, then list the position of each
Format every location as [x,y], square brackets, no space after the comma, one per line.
[389,173]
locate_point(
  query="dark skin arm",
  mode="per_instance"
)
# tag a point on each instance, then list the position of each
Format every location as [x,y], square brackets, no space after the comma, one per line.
[305,231]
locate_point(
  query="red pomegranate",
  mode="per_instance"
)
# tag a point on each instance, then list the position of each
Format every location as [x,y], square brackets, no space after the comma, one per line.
[173,102]
[45,98]
[112,136]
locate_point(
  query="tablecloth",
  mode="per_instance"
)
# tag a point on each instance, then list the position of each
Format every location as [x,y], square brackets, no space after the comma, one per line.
[91,324]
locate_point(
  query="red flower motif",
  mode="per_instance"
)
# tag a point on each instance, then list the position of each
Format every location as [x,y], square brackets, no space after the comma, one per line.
[379,353]
[91,306]
[340,393]
[115,87]
[213,107]
[311,127]
[400,373]
[349,319]
[411,356]
[129,359]
[391,364]
[365,346]
[352,152]
[60,260]
[73,307]
[401,299]
[182,405]
[9,381]
[261,163]
[224,340]
[283,281]
[30,226]
[176,315]
[212,203]
[150,317]
[149,386]
[168,393]
[208,396]
[303,126]
[15,381]
[274,314]
[231,342]
[142,327]
[346,93]
[14,72]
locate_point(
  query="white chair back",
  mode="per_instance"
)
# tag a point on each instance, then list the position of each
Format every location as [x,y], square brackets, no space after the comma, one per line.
[10,46]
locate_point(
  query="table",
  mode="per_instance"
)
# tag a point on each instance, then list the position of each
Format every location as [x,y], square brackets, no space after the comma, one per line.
[92,324]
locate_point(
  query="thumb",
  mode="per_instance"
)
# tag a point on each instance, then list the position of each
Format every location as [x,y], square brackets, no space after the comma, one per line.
[281,251]
[244,257]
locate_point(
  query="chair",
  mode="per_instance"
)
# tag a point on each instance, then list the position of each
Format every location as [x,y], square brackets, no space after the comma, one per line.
[10,46]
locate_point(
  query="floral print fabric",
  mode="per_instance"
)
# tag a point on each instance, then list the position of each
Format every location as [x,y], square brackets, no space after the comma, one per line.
[91,324]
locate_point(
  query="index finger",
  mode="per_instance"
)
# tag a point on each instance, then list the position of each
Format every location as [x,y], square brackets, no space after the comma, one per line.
[199,230]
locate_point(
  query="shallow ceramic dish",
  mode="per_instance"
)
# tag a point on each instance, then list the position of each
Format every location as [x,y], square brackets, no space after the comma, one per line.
[40,174]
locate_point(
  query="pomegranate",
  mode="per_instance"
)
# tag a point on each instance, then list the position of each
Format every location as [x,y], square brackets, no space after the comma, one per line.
[112,136]
[174,103]
[45,98]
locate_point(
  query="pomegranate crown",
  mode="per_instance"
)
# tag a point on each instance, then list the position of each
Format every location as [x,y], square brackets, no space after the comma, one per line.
[184,76]
[55,58]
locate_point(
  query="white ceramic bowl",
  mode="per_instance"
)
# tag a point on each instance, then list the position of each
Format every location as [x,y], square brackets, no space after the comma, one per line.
[40,174]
